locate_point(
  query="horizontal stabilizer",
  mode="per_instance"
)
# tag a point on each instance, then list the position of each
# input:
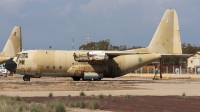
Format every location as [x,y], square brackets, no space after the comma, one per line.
[176,55]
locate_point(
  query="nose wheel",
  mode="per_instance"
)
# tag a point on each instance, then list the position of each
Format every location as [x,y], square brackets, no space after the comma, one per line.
[26,78]
[76,78]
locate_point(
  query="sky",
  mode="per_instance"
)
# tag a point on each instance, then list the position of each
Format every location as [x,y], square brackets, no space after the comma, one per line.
[54,23]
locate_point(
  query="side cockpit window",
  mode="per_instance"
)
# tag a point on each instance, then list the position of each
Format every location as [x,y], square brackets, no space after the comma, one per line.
[22,62]
[17,57]
[23,55]
[26,55]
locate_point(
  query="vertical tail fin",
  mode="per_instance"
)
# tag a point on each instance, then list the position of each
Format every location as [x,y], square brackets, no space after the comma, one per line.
[166,39]
[13,45]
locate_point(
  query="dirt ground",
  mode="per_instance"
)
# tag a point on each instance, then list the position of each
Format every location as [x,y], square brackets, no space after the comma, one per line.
[61,84]
[134,103]
[120,103]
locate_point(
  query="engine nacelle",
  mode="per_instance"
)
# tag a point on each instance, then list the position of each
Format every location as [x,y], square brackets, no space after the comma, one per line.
[81,57]
[97,56]
[90,56]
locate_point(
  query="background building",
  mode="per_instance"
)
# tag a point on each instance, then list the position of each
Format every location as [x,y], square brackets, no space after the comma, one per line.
[194,63]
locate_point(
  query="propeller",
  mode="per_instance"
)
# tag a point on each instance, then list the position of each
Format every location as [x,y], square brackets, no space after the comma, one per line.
[11,66]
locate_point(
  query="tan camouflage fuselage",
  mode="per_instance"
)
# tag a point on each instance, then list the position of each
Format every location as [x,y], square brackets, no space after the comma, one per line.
[62,63]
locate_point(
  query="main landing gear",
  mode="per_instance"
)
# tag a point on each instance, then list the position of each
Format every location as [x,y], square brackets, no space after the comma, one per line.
[78,79]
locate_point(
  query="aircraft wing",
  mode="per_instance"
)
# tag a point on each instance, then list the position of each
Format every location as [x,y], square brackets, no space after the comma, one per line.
[123,53]
[106,55]
[112,54]
[101,55]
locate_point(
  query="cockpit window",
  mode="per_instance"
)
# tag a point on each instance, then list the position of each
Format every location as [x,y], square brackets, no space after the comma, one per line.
[23,55]
[17,57]
[26,55]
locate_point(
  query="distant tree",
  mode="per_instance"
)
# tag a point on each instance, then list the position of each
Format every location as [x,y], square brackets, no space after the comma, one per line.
[103,44]
[189,49]
[135,47]
[89,46]
[115,48]
[122,47]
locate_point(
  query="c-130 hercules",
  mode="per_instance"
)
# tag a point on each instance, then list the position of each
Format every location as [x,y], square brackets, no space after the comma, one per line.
[88,65]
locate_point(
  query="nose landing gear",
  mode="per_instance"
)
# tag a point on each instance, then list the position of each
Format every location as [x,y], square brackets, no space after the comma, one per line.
[76,78]
[26,78]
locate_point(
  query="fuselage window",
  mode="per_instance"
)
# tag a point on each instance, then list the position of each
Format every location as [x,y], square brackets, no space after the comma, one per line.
[54,67]
[47,67]
[60,67]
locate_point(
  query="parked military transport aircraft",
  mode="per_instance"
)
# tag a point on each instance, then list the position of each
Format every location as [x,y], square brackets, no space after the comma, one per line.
[13,45]
[99,64]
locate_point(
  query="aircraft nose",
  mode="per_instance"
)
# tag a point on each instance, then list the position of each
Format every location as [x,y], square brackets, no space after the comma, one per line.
[11,66]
